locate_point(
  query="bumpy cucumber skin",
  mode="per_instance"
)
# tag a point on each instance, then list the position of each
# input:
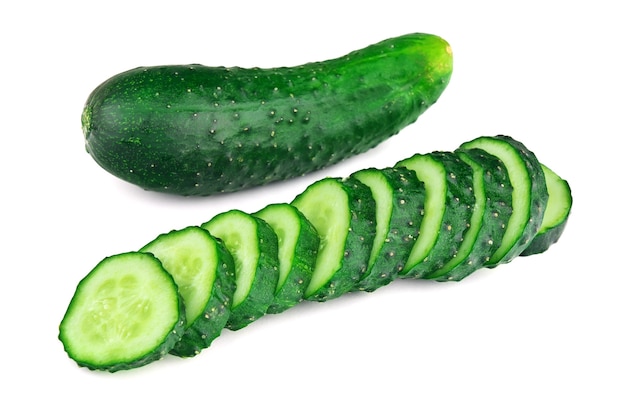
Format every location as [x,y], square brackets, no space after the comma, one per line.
[498,209]
[291,292]
[538,196]
[546,238]
[199,130]
[458,209]
[358,243]
[208,326]
[163,348]
[261,294]
[543,241]
[407,198]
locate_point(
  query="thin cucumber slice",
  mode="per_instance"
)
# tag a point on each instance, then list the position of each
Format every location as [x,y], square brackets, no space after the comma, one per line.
[529,198]
[557,214]
[447,211]
[125,313]
[205,274]
[298,243]
[254,247]
[343,213]
[492,210]
[397,192]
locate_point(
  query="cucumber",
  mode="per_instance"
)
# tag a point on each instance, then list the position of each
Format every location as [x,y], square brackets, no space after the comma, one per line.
[447,210]
[492,210]
[556,216]
[125,313]
[204,272]
[396,192]
[201,130]
[343,213]
[437,216]
[298,243]
[529,197]
[253,245]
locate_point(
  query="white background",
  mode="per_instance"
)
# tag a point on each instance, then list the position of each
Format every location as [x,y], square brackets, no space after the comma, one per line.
[540,336]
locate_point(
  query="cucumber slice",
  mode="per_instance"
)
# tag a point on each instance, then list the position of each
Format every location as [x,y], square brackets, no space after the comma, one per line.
[493,208]
[556,216]
[254,247]
[298,243]
[447,211]
[343,212]
[205,274]
[529,198]
[125,313]
[397,192]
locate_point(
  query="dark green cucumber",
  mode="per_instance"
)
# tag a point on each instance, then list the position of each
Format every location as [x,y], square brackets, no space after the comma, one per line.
[125,313]
[205,274]
[298,243]
[200,130]
[447,210]
[529,198]
[492,210]
[556,216]
[343,213]
[254,248]
[396,192]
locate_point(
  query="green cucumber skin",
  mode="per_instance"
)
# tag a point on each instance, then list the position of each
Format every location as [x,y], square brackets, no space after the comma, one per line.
[358,244]
[161,348]
[301,269]
[543,241]
[538,196]
[498,209]
[261,294]
[199,130]
[460,201]
[546,238]
[408,196]
[208,326]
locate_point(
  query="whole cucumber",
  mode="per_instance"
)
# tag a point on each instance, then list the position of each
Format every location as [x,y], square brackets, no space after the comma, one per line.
[201,130]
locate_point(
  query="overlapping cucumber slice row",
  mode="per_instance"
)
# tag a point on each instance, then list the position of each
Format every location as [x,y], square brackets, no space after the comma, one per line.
[438,216]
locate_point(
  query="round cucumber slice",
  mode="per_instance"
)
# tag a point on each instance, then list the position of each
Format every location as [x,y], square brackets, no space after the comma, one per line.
[205,274]
[125,313]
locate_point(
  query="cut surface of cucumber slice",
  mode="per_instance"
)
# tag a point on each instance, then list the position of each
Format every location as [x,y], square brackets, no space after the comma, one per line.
[529,198]
[399,199]
[556,216]
[205,274]
[447,212]
[343,213]
[125,313]
[254,248]
[298,243]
